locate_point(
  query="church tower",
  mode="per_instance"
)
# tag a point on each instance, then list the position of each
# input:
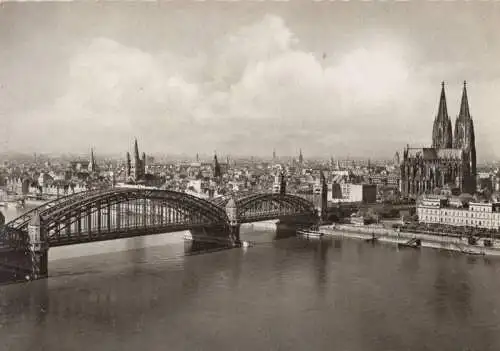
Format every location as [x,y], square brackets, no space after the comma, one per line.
[442,137]
[128,166]
[323,205]
[92,164]
[465,139]
[139,164]
[217,170]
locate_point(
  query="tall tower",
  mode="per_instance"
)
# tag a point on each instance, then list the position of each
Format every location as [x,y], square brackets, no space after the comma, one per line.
[217,171]
[136,150]
[465,140]
[38,246]
[139,169]
[128,169]
[301,158]
[442,137]
[92,165]
[274,155]
[282,180]
[396,160]
[323,205]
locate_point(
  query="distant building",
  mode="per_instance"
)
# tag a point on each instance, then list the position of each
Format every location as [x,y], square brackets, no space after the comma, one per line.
[334,191]
[279,185]
[79,166]
[349,192]
[44,179]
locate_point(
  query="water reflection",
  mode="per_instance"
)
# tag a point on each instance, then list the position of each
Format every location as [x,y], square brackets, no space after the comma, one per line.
[451,295]
[321,258]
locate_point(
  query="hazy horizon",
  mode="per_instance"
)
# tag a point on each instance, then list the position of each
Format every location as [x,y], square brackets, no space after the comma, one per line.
[342,79]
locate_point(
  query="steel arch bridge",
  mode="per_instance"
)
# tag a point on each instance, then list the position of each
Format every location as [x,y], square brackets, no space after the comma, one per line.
[99,215]
[116,213]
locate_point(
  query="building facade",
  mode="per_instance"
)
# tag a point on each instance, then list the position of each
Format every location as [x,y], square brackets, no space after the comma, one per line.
[474,214]
[349,192]
[450,162]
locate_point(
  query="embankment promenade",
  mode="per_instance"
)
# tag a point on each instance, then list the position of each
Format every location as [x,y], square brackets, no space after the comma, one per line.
[435,241]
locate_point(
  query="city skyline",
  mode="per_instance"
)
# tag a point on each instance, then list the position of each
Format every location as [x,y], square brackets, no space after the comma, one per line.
[335,79]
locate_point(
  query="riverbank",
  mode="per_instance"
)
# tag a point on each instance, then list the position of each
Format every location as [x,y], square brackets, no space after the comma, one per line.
[442,242]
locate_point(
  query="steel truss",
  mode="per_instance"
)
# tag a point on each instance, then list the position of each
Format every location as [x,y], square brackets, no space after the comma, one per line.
[117,213]
[263,206]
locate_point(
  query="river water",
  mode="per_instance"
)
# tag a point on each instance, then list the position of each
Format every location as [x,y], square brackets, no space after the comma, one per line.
[281,294]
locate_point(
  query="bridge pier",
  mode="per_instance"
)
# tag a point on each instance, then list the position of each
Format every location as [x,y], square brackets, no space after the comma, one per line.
[216,235]
[38,247]
[234,234]
[234,225]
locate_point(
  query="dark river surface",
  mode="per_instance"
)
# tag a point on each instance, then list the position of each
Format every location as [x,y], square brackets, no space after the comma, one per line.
[281,294]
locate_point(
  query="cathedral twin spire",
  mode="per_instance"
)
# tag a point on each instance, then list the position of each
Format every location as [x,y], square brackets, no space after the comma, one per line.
[442,135]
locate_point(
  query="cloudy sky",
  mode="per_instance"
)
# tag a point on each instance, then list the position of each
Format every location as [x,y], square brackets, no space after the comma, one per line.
[332,78]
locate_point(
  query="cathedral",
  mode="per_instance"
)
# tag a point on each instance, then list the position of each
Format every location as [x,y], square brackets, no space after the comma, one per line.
[450,164]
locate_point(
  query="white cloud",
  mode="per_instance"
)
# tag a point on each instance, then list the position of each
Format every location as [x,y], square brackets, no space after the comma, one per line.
[254,90]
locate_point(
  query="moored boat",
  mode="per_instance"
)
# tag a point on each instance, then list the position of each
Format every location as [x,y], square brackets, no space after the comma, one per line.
[309,233]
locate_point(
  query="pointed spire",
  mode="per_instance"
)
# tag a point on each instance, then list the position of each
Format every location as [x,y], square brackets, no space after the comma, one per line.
[442,135]
[136,149]
[464,106]
[217,170]
[442,110]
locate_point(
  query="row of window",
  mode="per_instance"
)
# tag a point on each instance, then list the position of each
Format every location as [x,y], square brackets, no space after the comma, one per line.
[458,213]
[458,221]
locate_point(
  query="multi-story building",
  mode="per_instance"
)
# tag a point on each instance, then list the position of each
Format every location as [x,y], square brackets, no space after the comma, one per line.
[438,210]
[365,193]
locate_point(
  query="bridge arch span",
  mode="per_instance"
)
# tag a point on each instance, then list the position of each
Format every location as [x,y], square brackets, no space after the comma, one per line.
[265,206]
[120,213]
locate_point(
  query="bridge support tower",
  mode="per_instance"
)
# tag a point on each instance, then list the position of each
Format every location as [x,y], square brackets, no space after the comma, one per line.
[38,247]
[234,225]
[321,203]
